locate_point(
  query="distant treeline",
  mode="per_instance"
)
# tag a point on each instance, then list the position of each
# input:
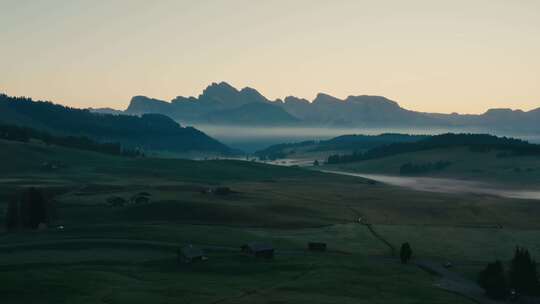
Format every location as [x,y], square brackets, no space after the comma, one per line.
[24,134]
[475,142]
[365,142]
[344,142]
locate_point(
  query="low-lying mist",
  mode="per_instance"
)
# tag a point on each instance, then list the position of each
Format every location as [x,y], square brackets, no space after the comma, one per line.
[250,139]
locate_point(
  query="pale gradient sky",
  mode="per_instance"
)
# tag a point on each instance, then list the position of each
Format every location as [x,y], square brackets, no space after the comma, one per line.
[429,55]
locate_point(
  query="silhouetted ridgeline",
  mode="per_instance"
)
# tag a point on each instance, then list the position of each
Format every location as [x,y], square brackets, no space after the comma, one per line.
[222,104]
[148,132]
[475,142]
[24,134]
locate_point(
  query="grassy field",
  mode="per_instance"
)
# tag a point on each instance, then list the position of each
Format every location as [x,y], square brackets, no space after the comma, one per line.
[465,164]
[128,254]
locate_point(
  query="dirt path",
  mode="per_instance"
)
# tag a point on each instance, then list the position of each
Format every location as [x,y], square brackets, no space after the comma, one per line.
[363,221]
[449,280]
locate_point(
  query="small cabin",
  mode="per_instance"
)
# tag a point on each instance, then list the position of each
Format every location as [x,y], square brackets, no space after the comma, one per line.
[190,254]
[259,250]
[317,246]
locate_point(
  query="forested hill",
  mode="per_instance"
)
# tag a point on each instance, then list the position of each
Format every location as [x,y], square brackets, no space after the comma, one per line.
[27,134]
[147,132]
[340,143]
[476,142]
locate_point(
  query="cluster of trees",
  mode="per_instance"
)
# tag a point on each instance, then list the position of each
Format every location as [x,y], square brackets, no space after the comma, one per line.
[522,277]
[475,142]
[28,210]
[24,134]
[410,168]
[149,131]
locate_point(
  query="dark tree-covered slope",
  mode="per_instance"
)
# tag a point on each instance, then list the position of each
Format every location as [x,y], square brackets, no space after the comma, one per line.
[476,142]
[147,132]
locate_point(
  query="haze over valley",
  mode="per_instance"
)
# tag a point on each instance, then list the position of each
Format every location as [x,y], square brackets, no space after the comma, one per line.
[247,120]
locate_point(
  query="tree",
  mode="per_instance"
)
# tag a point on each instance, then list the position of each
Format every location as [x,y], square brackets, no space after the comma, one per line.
[33,208]
[28,211]
[523,275]
[316,163]
[405,253]
[493,281]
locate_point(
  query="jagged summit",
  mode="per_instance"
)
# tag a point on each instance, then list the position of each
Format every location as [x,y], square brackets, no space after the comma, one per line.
[371,99]
[221,103]
[323,98]
[293,99]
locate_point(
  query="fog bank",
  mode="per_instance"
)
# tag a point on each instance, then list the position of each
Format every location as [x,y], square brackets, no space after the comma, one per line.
[446,185]
[250,139]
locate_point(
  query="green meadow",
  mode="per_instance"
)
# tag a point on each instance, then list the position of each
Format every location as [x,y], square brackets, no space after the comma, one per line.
[128,254]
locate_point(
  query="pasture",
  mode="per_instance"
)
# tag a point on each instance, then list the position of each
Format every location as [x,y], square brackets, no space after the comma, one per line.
[127,254]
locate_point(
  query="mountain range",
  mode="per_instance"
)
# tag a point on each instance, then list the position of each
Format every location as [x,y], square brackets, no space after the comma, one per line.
[222,104]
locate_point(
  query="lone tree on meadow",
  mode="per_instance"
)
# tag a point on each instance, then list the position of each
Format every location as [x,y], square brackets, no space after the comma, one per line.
[405,253]
[493,281]
[523,275]
[27,211]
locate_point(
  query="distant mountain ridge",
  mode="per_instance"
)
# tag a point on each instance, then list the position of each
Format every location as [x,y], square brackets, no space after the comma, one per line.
[147,132]
[221,103]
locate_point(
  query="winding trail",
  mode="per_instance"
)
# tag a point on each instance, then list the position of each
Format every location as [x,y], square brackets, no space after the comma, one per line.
[449,280]
[363,221]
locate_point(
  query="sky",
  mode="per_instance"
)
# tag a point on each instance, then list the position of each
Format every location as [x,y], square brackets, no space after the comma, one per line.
[435,56]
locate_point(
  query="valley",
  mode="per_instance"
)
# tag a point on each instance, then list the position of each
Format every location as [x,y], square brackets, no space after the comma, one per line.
[128,253]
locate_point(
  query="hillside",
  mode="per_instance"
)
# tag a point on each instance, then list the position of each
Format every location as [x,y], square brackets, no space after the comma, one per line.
[147,132]
[503,161]
[475,142]
[342,144]
[249,114]
[26,134]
